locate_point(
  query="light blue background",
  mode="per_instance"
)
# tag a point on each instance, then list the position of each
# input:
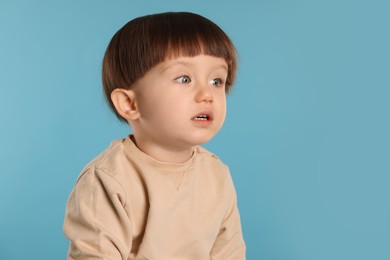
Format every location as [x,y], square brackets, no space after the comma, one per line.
[306,138]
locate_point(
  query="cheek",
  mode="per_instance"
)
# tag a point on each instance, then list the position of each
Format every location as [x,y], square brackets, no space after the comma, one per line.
[149,103]
[159,108]
[222,103]
[223,115]
[222,110]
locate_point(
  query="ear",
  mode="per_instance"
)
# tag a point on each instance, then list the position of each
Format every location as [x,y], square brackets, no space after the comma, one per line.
[125,103]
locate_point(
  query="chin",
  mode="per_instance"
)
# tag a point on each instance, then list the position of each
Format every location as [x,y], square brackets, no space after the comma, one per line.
[201,139]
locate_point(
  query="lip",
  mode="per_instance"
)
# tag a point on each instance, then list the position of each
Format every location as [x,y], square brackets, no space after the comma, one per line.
[204,118]
[208,114]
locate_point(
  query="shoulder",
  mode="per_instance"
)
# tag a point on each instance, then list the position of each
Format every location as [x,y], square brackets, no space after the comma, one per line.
[206,154]
[214,177]
[209,156]
[211,164]
[108,161]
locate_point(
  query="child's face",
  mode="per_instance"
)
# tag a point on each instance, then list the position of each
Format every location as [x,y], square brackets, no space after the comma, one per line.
[182,101]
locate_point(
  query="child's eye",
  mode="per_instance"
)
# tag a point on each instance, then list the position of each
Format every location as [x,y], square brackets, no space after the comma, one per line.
[183,79]
[217,82]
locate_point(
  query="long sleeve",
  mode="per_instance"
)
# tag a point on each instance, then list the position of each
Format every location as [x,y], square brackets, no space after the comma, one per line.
[126,205]
[96,222]
[230,244]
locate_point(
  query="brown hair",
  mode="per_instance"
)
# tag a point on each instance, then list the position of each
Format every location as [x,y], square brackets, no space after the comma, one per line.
[148,40]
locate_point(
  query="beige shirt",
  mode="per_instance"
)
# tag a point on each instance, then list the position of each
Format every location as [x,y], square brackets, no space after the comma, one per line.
[127,205]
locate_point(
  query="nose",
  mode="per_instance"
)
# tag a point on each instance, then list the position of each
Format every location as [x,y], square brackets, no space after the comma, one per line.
[204,94]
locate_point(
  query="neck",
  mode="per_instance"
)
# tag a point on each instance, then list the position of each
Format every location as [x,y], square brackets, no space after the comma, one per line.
[163,153]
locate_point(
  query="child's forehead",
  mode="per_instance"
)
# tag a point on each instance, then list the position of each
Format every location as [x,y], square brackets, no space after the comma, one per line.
[205,63]
[212,61]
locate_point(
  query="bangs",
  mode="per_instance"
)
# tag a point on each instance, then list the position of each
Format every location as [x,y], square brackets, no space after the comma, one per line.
[172,36]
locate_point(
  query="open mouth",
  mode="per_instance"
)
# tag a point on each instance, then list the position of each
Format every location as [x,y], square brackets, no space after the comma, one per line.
[204,116]
[201,117]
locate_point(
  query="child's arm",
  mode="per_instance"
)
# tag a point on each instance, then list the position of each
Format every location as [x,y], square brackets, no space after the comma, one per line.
[96,222]
[230,243]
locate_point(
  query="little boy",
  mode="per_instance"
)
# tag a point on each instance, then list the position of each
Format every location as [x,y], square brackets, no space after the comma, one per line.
[157,194]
